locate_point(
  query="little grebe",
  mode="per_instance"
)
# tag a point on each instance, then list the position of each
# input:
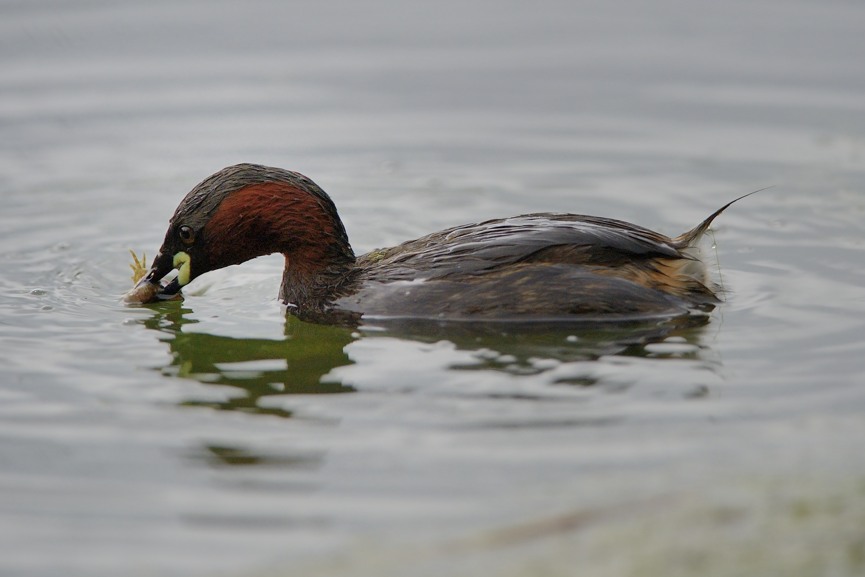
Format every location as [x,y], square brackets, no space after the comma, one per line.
[534,266]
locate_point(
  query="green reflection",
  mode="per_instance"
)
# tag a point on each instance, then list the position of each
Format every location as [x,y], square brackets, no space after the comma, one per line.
[258,368]
[220,456]
[299,362]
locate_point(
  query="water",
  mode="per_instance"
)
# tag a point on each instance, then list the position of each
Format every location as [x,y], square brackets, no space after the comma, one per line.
[216,436]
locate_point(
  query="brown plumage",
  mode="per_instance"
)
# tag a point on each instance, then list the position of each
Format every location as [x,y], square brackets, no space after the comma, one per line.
[535,266]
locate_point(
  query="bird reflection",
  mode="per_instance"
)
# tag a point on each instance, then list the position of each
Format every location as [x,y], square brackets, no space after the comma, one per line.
[299,363]
[257,368]
[516,347]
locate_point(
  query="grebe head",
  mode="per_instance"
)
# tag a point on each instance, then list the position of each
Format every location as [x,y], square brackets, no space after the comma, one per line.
[242,212]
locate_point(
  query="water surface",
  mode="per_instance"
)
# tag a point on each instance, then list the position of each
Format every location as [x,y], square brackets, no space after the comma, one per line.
[217,435]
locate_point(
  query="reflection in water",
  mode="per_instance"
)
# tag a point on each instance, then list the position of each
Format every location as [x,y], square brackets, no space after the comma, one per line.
[297,364]
[257,367]
[220,455]
[314,359]
[521,348]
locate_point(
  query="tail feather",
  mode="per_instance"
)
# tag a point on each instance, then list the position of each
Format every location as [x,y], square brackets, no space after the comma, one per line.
[691,237]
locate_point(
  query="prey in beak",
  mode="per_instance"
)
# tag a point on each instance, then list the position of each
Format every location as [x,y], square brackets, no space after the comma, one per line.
[160,283]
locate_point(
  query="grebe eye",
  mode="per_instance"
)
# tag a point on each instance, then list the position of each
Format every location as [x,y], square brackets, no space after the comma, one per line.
[187,235]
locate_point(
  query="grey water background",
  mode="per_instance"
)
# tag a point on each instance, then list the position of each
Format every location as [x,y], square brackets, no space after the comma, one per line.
[217,437]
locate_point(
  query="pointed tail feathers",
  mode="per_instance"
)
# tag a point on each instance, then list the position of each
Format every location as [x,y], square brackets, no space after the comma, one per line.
[691,237]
